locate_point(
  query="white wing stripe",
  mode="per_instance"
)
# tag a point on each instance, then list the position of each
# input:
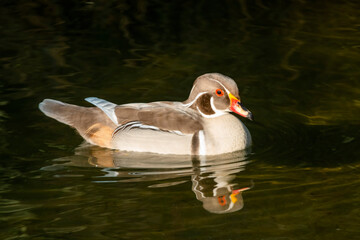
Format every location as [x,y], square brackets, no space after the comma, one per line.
[136,124]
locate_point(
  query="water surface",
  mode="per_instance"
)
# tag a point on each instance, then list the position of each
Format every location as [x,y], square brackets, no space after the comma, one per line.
[297,67]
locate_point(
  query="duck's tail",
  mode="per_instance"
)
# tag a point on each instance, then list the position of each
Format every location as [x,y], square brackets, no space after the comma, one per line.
[92,123]
[60,111]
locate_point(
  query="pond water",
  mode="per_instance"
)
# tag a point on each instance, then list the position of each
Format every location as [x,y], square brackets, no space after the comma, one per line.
[297,67]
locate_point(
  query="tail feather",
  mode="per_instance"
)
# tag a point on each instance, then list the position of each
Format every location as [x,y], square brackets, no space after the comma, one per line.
[60,111]
[91,122]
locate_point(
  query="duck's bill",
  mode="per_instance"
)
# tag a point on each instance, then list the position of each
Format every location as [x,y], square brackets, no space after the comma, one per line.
[237,191]
[237,107]
[234,193]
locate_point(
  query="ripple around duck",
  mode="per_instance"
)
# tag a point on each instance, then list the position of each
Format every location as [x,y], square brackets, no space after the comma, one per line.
[280,138]
[287,141]
[146,166]
[308,197]
[212,178]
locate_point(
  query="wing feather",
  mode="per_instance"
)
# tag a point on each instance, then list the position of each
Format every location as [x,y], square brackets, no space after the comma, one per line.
[106,106]
[165,116]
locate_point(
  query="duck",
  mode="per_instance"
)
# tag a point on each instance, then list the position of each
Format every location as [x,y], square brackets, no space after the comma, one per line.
[201,125]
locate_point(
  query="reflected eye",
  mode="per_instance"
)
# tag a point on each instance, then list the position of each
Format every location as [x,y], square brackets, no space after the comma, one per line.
[219,92]
[222,200]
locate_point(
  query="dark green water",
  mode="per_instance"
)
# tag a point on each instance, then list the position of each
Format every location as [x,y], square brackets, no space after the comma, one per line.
[297,65]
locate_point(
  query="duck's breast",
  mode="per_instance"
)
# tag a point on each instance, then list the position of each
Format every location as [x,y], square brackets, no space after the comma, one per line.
[225,134]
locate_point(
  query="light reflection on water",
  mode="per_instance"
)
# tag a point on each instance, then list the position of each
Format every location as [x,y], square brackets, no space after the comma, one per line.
[96,190]
[212,177]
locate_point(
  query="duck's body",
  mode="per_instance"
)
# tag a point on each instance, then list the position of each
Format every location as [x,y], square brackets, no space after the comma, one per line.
[201,125]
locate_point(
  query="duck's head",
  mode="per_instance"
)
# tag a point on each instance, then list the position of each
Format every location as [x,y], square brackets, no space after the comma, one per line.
[214,94]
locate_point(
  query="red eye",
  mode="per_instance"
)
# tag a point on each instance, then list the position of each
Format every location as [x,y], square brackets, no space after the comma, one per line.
[222,200]
[219,92]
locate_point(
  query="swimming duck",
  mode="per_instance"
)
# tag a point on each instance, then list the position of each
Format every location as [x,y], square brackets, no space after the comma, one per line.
[201,125]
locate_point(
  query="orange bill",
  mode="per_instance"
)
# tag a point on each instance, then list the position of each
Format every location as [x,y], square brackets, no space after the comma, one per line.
[237,107]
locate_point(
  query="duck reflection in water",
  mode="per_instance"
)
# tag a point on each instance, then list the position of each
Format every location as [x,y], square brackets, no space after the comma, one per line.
[215,189]
[212,176]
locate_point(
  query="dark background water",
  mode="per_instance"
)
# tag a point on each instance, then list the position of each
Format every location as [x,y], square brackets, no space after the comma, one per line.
[297,67]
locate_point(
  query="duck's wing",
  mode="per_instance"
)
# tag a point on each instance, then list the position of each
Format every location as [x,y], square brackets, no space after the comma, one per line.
[161,116]
[150,122]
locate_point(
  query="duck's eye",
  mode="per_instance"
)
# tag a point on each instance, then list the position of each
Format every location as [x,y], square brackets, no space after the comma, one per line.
[219,92]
